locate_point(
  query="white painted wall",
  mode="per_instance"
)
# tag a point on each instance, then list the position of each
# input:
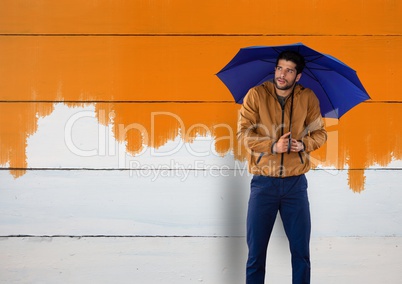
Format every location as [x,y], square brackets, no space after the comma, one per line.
[185,224]
[191,260]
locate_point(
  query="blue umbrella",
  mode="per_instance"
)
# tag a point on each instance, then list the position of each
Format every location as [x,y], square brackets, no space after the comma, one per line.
[336,85]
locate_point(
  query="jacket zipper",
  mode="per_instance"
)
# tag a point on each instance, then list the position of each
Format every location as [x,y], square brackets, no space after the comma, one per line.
[282,130]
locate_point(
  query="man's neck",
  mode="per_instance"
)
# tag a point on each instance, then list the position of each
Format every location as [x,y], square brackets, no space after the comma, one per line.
[283,93]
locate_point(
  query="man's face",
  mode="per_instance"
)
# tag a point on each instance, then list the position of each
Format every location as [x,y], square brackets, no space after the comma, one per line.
[285,75]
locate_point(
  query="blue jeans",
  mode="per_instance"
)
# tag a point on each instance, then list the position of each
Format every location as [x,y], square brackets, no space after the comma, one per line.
[288,196]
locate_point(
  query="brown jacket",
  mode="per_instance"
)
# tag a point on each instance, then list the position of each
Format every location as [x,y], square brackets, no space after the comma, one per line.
[262,121]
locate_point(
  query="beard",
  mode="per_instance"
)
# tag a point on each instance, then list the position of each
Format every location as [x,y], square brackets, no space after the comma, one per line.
[288,85]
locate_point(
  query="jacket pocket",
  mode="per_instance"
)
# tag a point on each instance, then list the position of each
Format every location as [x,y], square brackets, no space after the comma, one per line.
[301,157]
[259,158]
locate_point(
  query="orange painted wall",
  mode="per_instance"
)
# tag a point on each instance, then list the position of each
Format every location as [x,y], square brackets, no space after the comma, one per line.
[136,57]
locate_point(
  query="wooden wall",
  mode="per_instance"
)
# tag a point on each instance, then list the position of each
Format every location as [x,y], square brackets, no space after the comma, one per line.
[117,141]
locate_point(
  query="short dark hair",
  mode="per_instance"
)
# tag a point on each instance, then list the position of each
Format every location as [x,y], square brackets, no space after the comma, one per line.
[295,57]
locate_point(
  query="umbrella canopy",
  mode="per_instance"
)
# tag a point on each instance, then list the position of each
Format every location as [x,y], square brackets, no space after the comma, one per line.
[336,85]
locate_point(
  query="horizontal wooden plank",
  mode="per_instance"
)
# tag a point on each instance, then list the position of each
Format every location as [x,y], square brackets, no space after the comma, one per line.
[171,136]
[115,134]
[121,260]
[207,203]
[166,68]
[189,17]
[191,260]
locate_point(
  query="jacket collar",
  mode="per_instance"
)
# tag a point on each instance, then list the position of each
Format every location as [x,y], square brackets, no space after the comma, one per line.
[269,86]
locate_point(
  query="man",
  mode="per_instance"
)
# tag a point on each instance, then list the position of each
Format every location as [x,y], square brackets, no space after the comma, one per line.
[280,123]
